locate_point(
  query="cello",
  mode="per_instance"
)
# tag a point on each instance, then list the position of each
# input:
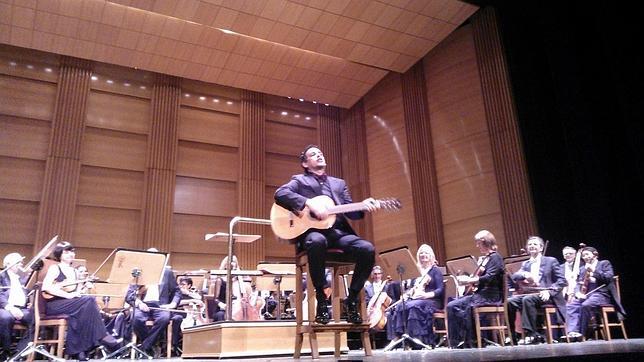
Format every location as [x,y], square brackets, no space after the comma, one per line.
[247,305]
[376,308]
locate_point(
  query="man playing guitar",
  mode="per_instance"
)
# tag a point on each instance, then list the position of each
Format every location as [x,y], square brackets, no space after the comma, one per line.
[299,193]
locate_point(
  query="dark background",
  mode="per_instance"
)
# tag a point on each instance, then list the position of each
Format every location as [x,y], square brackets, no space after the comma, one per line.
[575,77]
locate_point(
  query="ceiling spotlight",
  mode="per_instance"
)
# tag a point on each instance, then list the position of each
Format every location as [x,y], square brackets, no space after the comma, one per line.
[94,78]
[109,81]
[284,113]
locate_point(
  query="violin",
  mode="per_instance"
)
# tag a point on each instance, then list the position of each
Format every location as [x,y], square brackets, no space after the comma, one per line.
[377,306]
[480,269]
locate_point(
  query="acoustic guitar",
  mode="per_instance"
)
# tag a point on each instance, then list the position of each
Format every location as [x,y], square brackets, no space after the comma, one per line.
[289,225]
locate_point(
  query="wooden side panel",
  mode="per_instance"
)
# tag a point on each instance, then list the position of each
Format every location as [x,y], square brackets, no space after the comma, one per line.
[469,197]
[24,138]
[108,187]
[27,98]
[388,164]
[120,150]
[118,112]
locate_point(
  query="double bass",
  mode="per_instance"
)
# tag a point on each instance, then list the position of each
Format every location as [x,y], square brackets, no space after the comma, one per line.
[247,305]
[376,308]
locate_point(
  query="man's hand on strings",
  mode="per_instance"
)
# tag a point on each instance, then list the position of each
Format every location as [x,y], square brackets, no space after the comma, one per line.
[317,209]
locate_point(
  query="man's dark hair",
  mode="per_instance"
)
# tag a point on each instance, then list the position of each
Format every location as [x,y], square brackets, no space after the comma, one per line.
[591,249]
[186,280]
[306,149]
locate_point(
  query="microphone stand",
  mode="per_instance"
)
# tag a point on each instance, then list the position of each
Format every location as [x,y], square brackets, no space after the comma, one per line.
[405,337]
[136,272]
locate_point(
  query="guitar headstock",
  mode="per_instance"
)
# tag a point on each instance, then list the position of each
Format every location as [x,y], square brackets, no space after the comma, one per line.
[390,204]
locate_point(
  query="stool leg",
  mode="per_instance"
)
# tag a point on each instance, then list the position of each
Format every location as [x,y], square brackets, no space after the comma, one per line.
[337,310]
[299,318]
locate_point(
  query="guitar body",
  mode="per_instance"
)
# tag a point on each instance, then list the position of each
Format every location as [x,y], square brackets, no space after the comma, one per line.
[287,225]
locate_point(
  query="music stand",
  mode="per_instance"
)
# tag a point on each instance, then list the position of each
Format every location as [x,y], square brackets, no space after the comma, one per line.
[464,265]
[150,267]
[282,276]
[400,261]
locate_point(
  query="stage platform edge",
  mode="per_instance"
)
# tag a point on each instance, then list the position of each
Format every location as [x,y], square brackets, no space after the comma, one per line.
[248,339]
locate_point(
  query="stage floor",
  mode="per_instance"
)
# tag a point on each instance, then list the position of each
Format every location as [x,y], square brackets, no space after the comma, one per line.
[616,350]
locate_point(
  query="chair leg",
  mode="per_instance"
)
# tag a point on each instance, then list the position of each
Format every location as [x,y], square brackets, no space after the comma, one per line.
[168,341]
[477,322]
[60,343]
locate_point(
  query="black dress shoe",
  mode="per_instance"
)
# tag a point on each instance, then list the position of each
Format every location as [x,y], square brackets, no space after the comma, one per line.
[322,312]
[111,344]
[353,316]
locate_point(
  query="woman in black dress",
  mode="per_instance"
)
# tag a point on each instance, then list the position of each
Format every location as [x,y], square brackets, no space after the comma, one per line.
[85,327]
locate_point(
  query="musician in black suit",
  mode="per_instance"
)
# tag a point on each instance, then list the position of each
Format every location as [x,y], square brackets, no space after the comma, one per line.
[489,280]
[165,295]
[539,281]
[301,191]
[595,287]
[13,305]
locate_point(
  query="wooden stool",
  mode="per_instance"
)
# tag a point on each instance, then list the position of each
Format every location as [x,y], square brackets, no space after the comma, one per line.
[550,315]
[335,259]
[168,338]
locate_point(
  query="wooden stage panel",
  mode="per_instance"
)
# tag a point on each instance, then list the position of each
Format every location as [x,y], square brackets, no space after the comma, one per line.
[245,339]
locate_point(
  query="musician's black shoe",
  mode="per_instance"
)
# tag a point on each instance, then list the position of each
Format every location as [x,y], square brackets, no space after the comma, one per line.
[322,312]
[353,316]
[111,344]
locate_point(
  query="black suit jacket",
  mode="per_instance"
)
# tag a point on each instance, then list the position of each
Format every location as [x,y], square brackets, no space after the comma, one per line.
[604,275]
[551,275]
[293,195]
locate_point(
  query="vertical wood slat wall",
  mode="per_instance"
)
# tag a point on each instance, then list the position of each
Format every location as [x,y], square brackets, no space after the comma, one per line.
[57,208]
[252,176]
[422,167]
[161,164]
[514,188]
[330,143]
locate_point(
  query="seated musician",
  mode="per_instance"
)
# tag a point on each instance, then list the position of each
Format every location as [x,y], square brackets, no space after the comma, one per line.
[489,277]
[421,301]
[595,287]
[373,286]
[153,302]
[539,281]
[85,327]
[570,273]
[191,301]
[14,306]
[304,190]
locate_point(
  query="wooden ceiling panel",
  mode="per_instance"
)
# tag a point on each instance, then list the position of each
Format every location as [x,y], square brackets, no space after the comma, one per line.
[329,51]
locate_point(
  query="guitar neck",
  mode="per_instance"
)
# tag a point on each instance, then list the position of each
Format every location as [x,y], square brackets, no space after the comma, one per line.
[341,209]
